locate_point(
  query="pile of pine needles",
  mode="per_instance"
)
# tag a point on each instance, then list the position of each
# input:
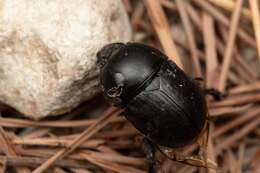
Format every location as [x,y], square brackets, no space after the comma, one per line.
[218,40]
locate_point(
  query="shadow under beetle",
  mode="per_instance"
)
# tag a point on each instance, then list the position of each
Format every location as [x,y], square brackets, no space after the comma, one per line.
[158,98]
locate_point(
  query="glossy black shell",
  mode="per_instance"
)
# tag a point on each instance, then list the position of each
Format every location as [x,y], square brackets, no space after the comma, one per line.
[159,99]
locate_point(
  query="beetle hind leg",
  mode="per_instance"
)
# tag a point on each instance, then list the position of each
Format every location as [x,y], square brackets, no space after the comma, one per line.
[149,149]
[202,140]
[193,160]
[199,160]
[203,145]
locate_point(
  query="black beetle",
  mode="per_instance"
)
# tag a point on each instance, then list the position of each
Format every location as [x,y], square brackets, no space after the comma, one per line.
[158,98]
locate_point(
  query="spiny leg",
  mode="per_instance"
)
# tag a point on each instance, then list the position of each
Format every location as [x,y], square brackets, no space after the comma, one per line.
[203,138]
[193,160]
[149,148]
[199,160]
[203,142]
[149,151]
[203,145]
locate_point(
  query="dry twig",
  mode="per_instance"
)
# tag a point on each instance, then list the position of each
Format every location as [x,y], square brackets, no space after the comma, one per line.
[230,45]
[162,29]
[100,123]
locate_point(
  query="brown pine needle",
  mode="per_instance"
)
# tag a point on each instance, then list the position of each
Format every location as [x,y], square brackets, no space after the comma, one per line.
[230,45]
[219,16]
[189,32]
[241,154]
[247,69]
[6,145]
[162,29]
[50,142]
[59,170]
[225,111]
[118,158]
[210,50]
[236,136]
[168,4]
[239,65]
[110,165]
[251,87]
[15,122]
[33,162]
[236,122]
[254,4]
[230,5]
[75,170]
[9,149]
[236,101]
[102,121]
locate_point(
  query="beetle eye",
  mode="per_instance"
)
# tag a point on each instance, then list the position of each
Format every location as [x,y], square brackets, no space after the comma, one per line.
[115,91]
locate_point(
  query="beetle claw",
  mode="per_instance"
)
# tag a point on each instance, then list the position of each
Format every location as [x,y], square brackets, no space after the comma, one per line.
[199,162]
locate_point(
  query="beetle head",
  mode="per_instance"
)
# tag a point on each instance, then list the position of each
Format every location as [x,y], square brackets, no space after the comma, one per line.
[126,69]
[106,52]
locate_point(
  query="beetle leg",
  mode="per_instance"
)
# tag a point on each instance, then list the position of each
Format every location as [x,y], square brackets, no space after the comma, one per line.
[200,79]
[149,149]
[203,140]
[217,95]
[199,160]
[193,160]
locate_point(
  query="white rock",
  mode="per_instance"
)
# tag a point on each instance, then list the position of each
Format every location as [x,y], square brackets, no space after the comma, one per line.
[48,48]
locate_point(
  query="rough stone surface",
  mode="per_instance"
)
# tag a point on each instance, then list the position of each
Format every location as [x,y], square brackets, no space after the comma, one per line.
[48,48]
